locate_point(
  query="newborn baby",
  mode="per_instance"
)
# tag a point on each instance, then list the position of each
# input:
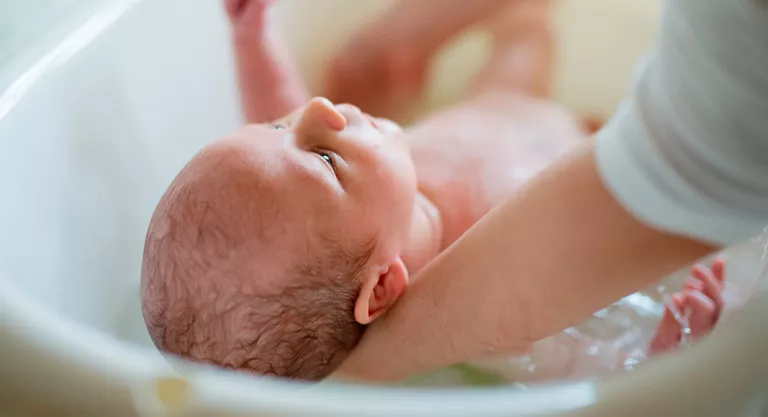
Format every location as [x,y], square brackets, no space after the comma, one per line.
[276,245]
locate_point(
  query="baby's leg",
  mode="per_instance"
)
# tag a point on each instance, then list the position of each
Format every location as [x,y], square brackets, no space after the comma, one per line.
[270,86]
[523,54]
[383,68]
[702,298]
[523,47]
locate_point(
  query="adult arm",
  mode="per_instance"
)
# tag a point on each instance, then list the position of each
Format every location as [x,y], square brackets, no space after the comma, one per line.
[682,163]
[563,248]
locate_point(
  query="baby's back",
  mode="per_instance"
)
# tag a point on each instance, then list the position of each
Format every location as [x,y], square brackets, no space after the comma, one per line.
[475,155]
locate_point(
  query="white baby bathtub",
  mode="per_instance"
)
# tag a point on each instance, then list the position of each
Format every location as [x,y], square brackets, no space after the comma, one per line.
[100,111]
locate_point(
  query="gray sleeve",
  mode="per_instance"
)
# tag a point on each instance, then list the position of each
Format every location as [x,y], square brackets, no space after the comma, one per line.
[688,151]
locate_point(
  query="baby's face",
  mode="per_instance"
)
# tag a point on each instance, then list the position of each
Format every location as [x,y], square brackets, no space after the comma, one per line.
[340,172]
[277,227]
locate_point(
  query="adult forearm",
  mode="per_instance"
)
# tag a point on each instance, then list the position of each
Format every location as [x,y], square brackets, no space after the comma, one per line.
[529,269]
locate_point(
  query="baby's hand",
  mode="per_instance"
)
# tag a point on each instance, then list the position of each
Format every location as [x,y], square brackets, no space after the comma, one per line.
[247,16]
[702,297]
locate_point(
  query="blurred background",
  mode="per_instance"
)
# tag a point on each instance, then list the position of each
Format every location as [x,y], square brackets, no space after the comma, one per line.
[28,27]
[590,31]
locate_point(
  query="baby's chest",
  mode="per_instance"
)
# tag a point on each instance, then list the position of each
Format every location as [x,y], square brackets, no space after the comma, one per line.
[487,156]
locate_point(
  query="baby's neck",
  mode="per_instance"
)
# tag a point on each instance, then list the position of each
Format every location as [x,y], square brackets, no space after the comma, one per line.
[426,237]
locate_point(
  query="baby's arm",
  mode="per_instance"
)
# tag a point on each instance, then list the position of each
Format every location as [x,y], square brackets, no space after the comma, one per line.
[270,86]
[702,298]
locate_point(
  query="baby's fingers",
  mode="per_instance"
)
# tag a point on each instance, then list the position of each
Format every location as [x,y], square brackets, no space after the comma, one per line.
[668,333]
[718,269]
[710,285]
[234,7]
[693,284]
[247,11]
[703,313]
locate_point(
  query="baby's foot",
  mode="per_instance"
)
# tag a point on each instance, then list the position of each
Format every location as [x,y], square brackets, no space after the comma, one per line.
[702,297]
[247,16]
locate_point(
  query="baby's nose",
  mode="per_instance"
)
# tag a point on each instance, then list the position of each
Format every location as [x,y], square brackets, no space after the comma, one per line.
[320,116]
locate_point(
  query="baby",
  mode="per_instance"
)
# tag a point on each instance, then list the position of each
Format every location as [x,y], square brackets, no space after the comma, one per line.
[275,246]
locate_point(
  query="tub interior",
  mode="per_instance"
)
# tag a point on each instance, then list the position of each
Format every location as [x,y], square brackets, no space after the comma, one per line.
[95,126]
[88,147]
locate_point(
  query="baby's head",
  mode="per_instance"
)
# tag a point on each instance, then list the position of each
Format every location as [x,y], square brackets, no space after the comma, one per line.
[274,247]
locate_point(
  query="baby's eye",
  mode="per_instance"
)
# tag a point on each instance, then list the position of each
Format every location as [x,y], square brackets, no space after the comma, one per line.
[278,126]
[327,157]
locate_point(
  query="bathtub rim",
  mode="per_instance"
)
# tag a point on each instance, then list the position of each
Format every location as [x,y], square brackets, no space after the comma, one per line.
[64,39]
[135,368]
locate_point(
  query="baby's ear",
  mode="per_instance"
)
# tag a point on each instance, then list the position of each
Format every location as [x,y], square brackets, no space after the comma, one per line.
[379,291]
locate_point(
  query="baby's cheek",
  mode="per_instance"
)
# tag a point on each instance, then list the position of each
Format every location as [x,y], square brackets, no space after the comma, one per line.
[394,212]
[398,179]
